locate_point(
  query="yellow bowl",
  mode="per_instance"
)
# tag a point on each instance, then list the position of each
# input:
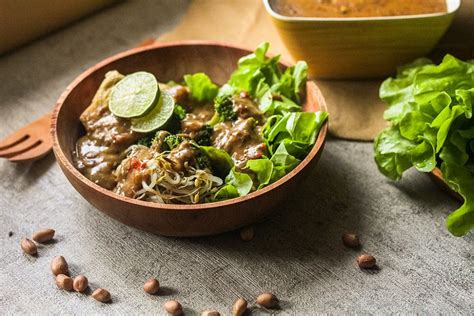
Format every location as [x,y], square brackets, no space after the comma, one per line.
[365,47]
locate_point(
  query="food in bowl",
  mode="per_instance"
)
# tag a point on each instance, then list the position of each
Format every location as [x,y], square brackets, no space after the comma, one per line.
[357,8]
[193,141]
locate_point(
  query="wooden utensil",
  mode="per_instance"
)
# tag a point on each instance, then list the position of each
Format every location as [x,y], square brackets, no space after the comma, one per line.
[29,143]
[34,141]
[171,61]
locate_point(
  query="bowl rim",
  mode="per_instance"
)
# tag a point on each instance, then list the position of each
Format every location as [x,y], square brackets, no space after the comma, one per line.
[452,7]
[61,157]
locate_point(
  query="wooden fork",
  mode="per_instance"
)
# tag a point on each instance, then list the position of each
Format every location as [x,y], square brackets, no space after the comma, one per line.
[29,143]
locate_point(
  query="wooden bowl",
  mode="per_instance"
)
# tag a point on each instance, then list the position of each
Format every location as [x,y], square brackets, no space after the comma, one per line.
[171,61]
[437,176]
[363,47]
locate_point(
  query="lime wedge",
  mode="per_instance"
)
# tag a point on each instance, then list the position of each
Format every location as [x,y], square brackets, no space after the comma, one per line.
[157,117]
[134,95]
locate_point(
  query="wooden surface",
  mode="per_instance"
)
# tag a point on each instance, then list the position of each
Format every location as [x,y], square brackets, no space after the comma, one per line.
[297,253]
[218,61]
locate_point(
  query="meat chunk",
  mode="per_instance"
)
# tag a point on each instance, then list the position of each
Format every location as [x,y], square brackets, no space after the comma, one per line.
[132,171]
[241,139]
[99,151]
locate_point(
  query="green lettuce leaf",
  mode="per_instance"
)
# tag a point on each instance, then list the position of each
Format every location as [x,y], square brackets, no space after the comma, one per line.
[220,160]
[201,87]
[241,181]
[430,111]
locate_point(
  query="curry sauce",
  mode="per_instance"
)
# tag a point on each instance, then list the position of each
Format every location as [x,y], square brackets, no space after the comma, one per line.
[357,8]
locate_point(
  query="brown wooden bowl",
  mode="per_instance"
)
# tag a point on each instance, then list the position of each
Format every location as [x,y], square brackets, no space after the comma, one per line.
[437,176]
[171,61]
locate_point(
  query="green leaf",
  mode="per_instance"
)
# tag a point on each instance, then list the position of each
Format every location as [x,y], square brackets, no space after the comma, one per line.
[201,87]
[283,162]
[241,181]
[220,160]
[228,191]
[263,169]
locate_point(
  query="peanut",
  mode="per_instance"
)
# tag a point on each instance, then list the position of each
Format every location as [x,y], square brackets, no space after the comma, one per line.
[239,307]
[43,235]
[247,233]
[210,313]
[101,295]
[64,282]
[366,261]
[350,240]
[59,266]
[267,300]
[28,246]
[80,283]
[152,286]
[173,307]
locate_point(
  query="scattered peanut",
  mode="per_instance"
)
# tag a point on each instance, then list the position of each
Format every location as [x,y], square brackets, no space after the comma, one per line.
[350,240]
[28,246]
[43,235]
[247,233]
[64,282]
[101,295]
[366,261]
[239,307]
[59,266]
[80,283]
[152,286]
[173,307]
[210,313]
[267,300]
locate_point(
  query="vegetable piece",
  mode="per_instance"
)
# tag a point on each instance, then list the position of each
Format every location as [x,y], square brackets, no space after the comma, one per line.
[134,95]
[220,160]
[203,136]
[157,117]
[228,191]
[263,168]
[179,111]
[241,181]
[224,110]
[430,111]
[297,131]
[201,87]
[172,141]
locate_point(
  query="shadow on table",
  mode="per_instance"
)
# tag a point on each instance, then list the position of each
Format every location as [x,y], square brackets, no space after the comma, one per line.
[310,223]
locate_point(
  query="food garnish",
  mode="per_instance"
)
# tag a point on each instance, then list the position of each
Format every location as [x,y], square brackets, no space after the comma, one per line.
[134,95]
[430,113]
[157,117]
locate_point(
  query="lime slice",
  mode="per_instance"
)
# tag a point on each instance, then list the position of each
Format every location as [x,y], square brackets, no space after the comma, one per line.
[157,117]
[134,95]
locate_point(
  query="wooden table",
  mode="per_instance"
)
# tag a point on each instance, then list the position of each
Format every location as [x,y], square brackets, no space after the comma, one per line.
[297,253]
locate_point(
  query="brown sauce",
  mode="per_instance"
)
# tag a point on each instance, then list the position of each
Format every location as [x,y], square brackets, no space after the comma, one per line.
[357,8]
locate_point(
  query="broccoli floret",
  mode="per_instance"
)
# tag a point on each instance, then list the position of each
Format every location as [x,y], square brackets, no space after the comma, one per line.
[224,110]
[203,137]
[203,162]
[146,140]
[172,141]
[179,112]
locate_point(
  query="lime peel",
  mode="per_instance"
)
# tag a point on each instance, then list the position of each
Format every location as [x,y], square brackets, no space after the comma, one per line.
[134,95]
[157,117]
